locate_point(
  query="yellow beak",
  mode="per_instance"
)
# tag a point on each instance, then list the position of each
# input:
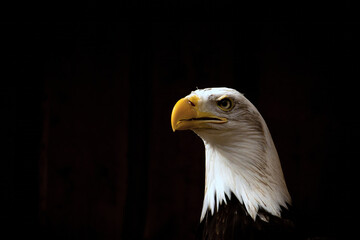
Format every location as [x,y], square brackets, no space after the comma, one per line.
[186,115]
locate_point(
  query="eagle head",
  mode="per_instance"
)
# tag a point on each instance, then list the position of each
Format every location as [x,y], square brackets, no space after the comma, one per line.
[240,155]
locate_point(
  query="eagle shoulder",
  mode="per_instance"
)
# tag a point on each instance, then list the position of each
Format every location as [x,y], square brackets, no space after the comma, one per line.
[231,221]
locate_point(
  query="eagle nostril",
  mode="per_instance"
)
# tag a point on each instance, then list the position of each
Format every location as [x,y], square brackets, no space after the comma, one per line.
[191,103]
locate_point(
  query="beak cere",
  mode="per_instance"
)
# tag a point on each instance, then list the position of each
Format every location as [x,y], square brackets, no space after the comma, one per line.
[186,115]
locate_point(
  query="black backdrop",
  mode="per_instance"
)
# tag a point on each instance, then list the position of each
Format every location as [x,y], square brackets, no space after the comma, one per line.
[88,147]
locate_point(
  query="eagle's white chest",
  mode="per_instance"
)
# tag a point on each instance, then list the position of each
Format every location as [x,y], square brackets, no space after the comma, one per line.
[249,170]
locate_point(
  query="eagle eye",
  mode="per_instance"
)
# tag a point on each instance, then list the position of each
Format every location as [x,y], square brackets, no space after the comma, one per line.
[225,104]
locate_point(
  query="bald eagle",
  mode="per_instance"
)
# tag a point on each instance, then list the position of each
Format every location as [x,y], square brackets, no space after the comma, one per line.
[246,196]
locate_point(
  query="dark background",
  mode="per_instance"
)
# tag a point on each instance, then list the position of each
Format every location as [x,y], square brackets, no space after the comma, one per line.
[88,150]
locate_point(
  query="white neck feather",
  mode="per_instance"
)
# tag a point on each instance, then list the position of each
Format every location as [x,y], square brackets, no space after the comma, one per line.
[243,162]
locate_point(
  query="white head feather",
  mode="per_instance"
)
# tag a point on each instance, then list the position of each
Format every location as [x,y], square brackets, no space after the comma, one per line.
[240,157]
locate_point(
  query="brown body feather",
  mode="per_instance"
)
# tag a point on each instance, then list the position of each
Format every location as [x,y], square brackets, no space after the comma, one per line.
[231,221]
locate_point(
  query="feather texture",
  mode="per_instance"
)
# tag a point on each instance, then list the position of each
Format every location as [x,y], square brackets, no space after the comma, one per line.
[232,222]
[241,158]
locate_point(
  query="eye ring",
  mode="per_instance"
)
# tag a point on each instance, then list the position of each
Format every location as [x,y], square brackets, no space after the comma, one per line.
[225,104]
